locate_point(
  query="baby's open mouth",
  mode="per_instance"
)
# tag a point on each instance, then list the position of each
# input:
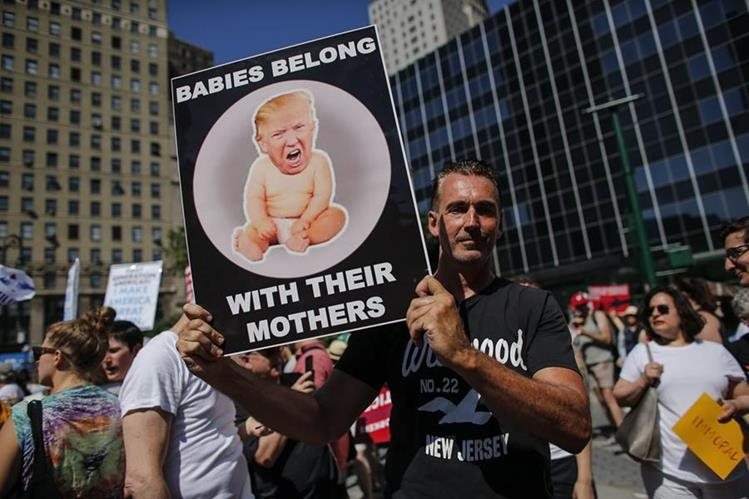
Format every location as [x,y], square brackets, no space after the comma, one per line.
[294,155]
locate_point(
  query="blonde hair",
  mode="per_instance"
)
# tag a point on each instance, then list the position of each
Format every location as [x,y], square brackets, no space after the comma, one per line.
[84,340]
[273,104]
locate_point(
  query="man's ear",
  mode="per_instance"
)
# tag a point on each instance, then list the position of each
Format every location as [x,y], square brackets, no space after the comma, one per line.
[433,223]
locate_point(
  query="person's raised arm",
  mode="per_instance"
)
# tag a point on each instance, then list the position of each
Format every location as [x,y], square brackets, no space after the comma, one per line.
[315,418]
[604,335]
[146,436]
[10,457]
[552,404]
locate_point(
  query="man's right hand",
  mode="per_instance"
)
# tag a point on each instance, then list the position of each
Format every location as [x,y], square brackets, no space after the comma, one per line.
[199,345]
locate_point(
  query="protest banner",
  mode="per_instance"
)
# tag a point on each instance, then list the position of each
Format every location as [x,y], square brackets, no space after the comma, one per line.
[133,292]
[718,445]
[70,310]
[375,420]
[611,298]
[299,211]
[15,285]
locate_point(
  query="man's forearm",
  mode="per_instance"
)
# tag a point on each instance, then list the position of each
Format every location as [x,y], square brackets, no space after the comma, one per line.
[554,412]
[295,414]
[152,486]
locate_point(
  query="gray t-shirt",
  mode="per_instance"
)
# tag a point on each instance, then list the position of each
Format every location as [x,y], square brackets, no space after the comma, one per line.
[593,352]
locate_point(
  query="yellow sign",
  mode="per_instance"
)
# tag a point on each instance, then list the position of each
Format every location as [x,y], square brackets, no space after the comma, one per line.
[718,445]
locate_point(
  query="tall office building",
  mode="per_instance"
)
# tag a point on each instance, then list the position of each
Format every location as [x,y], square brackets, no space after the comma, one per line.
[513,91]
[408,29]
[84,145]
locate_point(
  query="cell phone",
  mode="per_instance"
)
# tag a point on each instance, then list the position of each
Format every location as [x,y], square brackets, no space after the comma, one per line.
[309,366]
[288,379]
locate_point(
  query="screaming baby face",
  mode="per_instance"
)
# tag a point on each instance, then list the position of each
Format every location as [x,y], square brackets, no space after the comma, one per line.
[287,137]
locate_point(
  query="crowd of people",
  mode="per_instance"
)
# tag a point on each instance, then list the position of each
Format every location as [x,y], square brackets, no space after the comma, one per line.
[489,381]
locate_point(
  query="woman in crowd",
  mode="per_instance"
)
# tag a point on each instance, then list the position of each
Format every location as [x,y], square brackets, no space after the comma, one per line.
[81,422]
[703,302]
[683,368]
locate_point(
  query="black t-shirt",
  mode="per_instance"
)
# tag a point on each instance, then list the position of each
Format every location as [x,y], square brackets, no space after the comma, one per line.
[301,471]
[444,440]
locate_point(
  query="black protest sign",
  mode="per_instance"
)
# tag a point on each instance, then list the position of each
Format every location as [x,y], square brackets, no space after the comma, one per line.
[299,212]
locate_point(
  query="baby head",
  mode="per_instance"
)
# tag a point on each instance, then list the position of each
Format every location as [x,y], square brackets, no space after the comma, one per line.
[285,127]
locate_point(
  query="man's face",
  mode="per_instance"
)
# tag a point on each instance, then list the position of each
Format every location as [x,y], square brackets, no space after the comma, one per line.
[118,360]
[631,320]
[287,137]
[738,263]
[467,219]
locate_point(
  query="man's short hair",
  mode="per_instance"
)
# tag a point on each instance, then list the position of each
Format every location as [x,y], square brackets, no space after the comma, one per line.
[471,167]
[740,225]
[126,332]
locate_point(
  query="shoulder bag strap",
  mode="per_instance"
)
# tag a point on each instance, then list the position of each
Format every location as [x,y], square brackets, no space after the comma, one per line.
[34,411]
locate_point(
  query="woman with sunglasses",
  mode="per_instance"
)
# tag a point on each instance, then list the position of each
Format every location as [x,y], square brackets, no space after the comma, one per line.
[682,369]
[81,426]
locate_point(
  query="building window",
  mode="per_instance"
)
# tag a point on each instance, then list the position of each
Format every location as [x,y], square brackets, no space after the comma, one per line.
[116,102]
[116,144]
[53,114]
[6,84]
[53,92]
[52,159]
[153,108]
[96,58]
[73,232]
[54,28]
[5,130]
[54,49]
[153,88]
[75,95]
[54,71]
[135,105]
[32,67]
[75,54]
[76,33]
[74,184]
[4,154]
[116,233]
[116,81]
[153,127]
[95,255]
[29,89]
[116,123]
[135,146]
[155,190]
[95,78]
[135,65]
[116,62]
[32,24]
[155,149]
[95,163]
[155,212]
[27,181]
[153,50]
[50,207]
[73,253]
[136,210]
[134,46]
[27,230]
[95,186]
[117,255]
[28,157]
[135,125]
[116,165]
[74,161]
[137,233]
[96,38]
[96,232]
[135,85]
[29,110]
[3,203]
[52,184]
[4,179]
[75,117]
[29,134]
[7,62]
[74,139]
[116,210]
[95,279]
[52,136]
[73,207]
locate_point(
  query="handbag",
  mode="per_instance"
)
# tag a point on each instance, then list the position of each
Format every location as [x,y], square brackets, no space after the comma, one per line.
[639,434]
[41,484]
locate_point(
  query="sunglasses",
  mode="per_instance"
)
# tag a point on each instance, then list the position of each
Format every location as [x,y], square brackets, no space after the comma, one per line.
[38,351]
[662,309]
[735,253]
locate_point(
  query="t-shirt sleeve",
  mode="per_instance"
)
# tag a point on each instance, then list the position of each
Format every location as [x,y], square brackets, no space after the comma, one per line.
[551,345]
[366,356]
[22,424]
[155,378]
[634,364]
[730,366]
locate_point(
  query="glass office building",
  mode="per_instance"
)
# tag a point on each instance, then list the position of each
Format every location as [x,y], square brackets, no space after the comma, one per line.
[513,91]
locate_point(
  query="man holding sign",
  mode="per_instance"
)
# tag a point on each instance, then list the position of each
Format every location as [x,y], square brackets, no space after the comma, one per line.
[482,377]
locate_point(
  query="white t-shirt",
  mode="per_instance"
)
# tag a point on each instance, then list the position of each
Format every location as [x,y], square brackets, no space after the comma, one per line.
[204,458]
[688,371]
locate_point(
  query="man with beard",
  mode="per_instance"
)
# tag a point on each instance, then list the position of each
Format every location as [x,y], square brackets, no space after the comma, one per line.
[482,374]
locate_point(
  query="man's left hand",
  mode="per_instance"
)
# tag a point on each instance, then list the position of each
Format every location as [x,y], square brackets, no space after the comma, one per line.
[434,315]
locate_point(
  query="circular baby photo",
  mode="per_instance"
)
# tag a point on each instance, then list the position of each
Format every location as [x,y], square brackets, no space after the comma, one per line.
[292,178]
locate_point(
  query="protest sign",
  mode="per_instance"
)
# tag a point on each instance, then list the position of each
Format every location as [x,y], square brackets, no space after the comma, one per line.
[133,292]
[299,212]
[718,445]
[70,309]
[15,285]
[375,420]
[611,298]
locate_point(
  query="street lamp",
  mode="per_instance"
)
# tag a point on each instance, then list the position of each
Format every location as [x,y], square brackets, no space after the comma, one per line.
[648,268]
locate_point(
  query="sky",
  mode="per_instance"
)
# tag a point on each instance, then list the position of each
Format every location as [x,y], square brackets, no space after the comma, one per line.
[234,29]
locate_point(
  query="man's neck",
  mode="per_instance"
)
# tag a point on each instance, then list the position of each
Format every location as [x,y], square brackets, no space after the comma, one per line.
[464,283]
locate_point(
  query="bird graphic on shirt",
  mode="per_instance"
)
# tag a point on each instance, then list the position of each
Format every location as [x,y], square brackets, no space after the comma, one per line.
[464,412]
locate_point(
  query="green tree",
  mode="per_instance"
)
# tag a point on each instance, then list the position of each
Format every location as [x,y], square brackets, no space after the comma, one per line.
[176,249]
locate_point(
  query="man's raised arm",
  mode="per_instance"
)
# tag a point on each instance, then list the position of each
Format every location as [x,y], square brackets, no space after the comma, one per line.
[315,418]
